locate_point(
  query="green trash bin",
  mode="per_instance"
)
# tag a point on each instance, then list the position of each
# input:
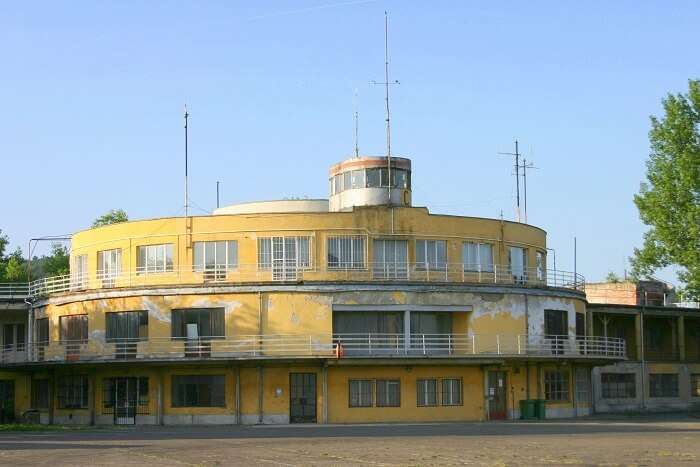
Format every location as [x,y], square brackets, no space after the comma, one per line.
[540,412]
[527,409]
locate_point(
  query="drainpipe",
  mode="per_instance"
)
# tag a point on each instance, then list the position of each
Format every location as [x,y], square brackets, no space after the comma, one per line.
[643,357]
[260,395]
[238,395]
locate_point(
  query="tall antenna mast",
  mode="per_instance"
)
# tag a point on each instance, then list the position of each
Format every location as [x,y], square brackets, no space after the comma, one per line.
[526,166]
[357,125]
[517,178]
[386,84]
[187,115]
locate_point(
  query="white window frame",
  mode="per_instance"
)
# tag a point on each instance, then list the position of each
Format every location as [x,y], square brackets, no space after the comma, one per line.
[160,253]
[109,265]
[427,263]
[541,265]
[384,270]
[480,265]
[423,395]
[228,265]
[282,262]
[451,398]
[520,273]
[347,244]
[79,271]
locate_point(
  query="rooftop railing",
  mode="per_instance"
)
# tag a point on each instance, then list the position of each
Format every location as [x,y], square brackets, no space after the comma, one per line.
[314,346]
[14,290]
[282,271]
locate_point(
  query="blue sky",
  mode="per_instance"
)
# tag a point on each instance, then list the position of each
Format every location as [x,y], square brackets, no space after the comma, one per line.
[92,96]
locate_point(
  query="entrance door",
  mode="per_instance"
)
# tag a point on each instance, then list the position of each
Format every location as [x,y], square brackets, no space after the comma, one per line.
[556,330]
[302,397]
[497,395]
[125,399]
[7,401]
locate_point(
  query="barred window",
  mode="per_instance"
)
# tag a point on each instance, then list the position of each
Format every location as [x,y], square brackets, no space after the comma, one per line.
[287,251]
[361,393]
[663,385]
[198,391]
[346,252]
[618,385]
[452,391]
[133,388]
[426,392]
[695,385]
[388,393]
[556,385]
[40,394]
[73,392]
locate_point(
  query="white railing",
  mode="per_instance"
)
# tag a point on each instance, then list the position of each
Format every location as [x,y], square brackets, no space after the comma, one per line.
[369,272]
[316,346]
[14,290]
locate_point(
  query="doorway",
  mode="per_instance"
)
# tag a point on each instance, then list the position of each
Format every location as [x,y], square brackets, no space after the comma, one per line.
[556,330]
[124,396]
[7,401]
[497,400]
[302,397]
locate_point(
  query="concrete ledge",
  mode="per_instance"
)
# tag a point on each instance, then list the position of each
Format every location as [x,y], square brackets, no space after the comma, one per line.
[199,419]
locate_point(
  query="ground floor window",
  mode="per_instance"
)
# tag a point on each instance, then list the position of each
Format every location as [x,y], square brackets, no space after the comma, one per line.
[618,385]
[40,394]
[122,391]
[695,385]
[198,391]
[556,385]
[426,392]
[663,385]
[361,393]
[452,391]
[388,393]
[73,392]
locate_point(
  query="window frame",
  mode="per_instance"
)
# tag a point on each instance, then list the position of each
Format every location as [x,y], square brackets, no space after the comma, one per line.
[113,269]
[353,240]
[667,392]
[145,252]
[217,397]
[360,403]
[41,393]
[422,393]
[215,313]
[467,265]
[424,246]
[263,265]
[616,387]
[142,321]
[557,389]
[228,266]
[72,384]
[460,392]
[387,399]
[85,329]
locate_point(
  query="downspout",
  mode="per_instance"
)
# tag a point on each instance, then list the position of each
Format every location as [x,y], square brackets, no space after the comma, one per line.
[643,357]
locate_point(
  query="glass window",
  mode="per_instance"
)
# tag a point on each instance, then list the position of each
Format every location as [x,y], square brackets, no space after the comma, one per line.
[477,256]
[618,385]
[346,252]
[384,177]
[109,264]
[541,261]
[42,331]
[695,385]
[663,385]
[154,258]
[284,252]
[452,391]
[373,178]
[399,178]
[347,180]
[337,184]
[74,328]
[431,255]
[390,259]
[388,393]
[206,322]
[198,391]
[40,394]
[126,325]
[360,391]
[358,178]
[73,392]
[517,261]
[79,272]
[215,256]
[556,385]
[426,393]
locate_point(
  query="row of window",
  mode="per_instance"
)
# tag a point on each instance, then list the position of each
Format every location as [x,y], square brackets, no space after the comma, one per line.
[624,385]
[430,392]
[369,178]
[343,252]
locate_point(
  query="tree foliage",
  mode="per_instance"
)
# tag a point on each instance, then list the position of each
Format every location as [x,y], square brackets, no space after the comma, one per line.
[13,267]
[612,277]
[113,216]
[669,203]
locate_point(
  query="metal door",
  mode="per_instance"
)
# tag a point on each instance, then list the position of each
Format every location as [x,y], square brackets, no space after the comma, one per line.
[496,394]
[7,401]
[125,399]
[302,397]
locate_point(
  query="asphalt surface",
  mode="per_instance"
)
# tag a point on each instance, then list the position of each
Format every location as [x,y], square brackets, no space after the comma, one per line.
[659,440]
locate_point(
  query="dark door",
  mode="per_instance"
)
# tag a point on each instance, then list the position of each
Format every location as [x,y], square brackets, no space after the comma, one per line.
[556,330]
[125,399]
[302,397]
[7,401]
[497,395]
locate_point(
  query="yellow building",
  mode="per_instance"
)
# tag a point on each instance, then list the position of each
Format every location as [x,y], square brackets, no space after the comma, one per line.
[359,308]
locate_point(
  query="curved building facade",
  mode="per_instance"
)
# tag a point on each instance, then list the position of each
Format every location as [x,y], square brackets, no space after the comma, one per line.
[282,312]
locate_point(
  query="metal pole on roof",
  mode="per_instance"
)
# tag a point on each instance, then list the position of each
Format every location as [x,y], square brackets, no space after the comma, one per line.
[186,165]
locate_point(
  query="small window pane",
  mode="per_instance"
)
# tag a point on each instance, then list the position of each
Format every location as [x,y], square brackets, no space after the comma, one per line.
[388,393]
[373,178]
[451,391]
[360,392]
[426,392]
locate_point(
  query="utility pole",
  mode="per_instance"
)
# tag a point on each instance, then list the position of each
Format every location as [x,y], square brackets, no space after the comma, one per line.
[386,84]
[187,115]
[217,195]
[357,127]
[517,178]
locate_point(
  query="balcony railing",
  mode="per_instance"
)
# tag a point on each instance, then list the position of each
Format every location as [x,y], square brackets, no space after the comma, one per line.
[314,346]
[14,290]
[288,272]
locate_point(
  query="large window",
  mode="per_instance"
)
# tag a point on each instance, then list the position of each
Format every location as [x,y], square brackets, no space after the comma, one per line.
[390,259]
[426,392]
[40,393]
[127,325]
[74,328]
[433,391]
[517,262]
[663,385]
[13,336]
[378,177]
[195,323]
[133,389]
[346,252]
[361,394]
[477,257]
[556,385]
[695,385]
[153,259]
[73,392]
[451,391]
[109,266]
[79,272]
[388,392]
[286,252]
[618,385]
[216,257]
[431,255]
[199,391]
[42,331]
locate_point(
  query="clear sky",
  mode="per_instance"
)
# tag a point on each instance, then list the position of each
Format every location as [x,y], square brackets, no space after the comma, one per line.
[92,93]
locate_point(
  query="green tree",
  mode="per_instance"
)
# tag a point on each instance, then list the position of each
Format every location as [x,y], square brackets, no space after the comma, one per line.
[16,269]
[669,203]
[612,277]
[113,216]
[3,261]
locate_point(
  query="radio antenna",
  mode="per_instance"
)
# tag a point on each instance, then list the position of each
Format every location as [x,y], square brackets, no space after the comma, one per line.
[517,178]
[357,126]
[187,115]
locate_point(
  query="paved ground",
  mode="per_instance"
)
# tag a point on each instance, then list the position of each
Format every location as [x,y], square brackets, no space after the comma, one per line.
[661,440]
